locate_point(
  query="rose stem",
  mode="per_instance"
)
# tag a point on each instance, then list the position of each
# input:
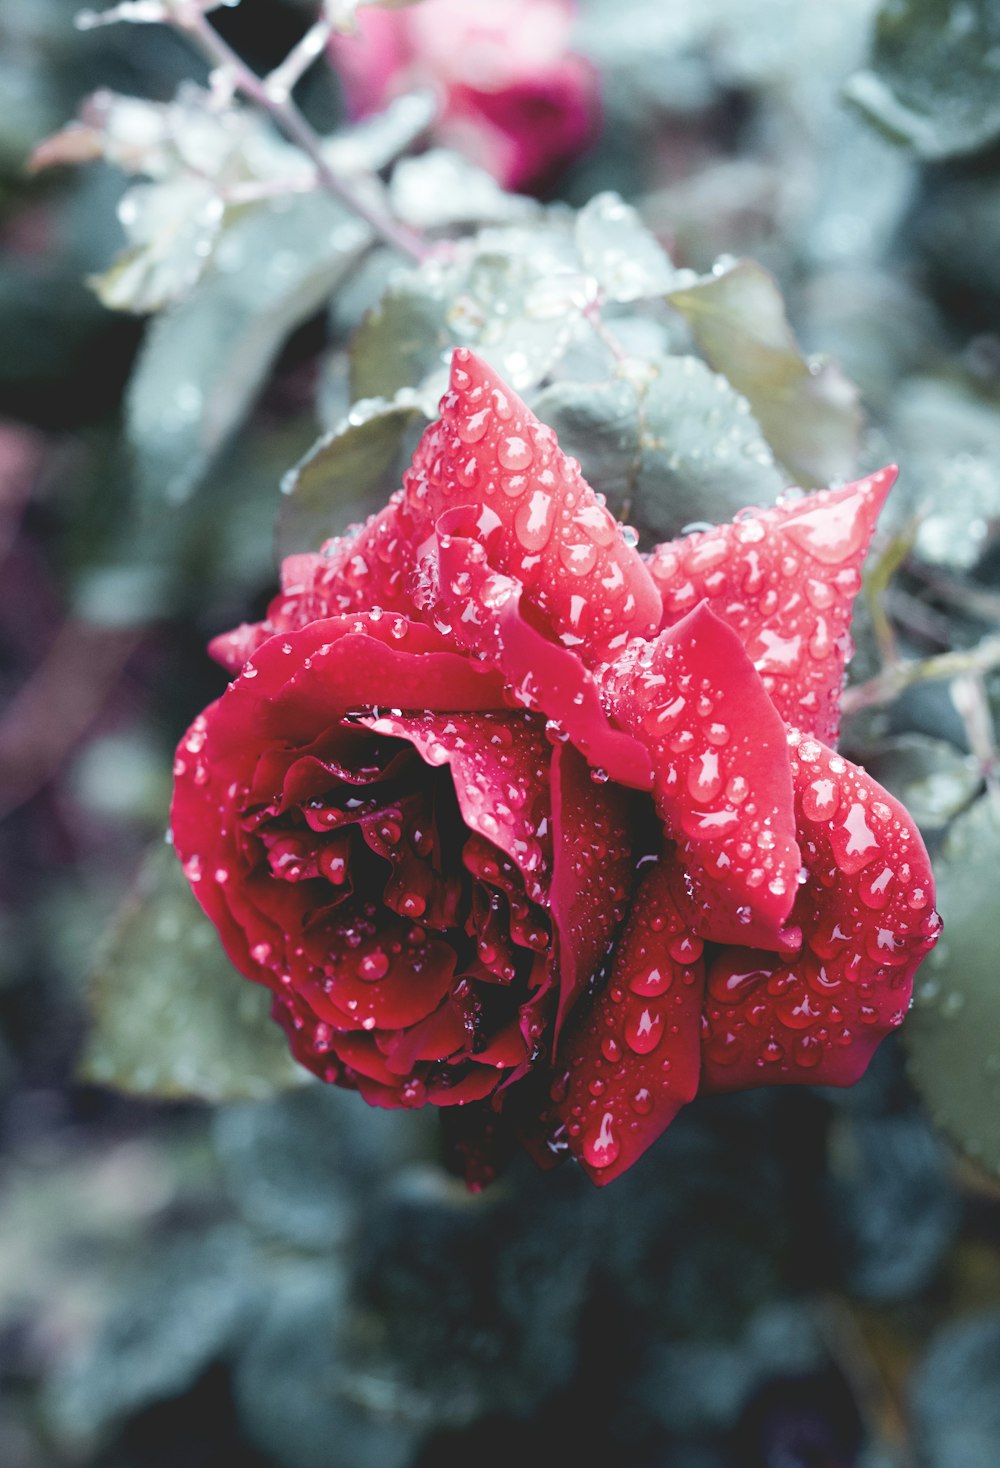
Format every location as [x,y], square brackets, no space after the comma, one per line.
[275,100]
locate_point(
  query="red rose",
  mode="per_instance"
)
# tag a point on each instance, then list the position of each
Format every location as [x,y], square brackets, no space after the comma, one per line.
[499,808]
[512,96]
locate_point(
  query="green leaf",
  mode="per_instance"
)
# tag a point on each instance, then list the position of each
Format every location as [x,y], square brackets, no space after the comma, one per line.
[598,423]
[179,1308]
[953,1034]
[347,475]
[808,410]
[402,340]
[204,361]
[669,443]
[934,80]
[932,778]
[620,252]
[702,455]
[171,1016]
[172,227]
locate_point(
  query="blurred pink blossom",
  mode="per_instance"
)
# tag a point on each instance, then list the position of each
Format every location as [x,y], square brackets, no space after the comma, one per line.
[513,97]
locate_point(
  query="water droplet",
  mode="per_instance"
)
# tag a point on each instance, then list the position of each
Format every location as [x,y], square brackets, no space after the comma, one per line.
[373,966]
[515,452]
[600,1145]
[643,1028]
[652,982]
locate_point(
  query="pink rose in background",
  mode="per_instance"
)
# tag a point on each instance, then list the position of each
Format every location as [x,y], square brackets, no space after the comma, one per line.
[513,98]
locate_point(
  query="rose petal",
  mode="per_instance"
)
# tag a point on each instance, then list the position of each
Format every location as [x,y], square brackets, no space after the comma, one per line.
[785,579]
[539,674]
[630,1061]
[527,505]
[500,768]
[371,566]
[592,877]
[722,781]
[866,917]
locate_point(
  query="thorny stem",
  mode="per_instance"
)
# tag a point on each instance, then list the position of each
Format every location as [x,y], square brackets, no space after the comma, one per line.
[273,98]
[892,681]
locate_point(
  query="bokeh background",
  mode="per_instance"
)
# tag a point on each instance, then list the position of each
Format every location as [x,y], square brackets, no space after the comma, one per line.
[275,1276]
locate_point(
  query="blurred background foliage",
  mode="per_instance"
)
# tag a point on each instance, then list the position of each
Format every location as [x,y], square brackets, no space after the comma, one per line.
[233,1264]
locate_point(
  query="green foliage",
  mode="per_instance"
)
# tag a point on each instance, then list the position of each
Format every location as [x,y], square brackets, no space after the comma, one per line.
[205,360]
[171,1017]
[668,442]
[178,1308]
[933,82]
[953,1034]
[807,409]
[349,473]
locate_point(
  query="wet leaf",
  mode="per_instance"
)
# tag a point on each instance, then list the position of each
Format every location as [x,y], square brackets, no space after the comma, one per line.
[178,1309]
[297,1393]
[172,227]
[953,1034]
[954,1402]
[598,424]
[171,1016]
[948,440]
[933,80]
[668,442]
[440,189]
[402,340]
[932,778]
[702,454]
[204,361]
[515,294]
[623,255]
[297,1165]
[808,410]
[347,475]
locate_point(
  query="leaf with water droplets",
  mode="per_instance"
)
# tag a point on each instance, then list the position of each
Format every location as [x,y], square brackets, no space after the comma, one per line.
[348,473]
[623,255]
[204,361]
[808,410]
[702,453]
[171,1017]
[933,82]
[932,778]
[953,1034]
[598,423]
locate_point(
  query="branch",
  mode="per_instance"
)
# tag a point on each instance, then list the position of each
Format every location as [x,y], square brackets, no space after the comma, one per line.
[892,681]
[272,95]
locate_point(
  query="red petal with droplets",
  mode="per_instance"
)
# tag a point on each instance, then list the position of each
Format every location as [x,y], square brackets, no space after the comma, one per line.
[500,768]
[528,506]
[722,781]
[866,919]
[371,566]
[592,878]
[630,1061]
[785,579]
[489,614]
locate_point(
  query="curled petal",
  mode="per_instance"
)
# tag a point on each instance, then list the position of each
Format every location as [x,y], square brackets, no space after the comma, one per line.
[722,782]
[590,887]
[785,580]
[500,768]
[527,505]
[537,672]
[866,919]
[370,566]
[629,1061]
